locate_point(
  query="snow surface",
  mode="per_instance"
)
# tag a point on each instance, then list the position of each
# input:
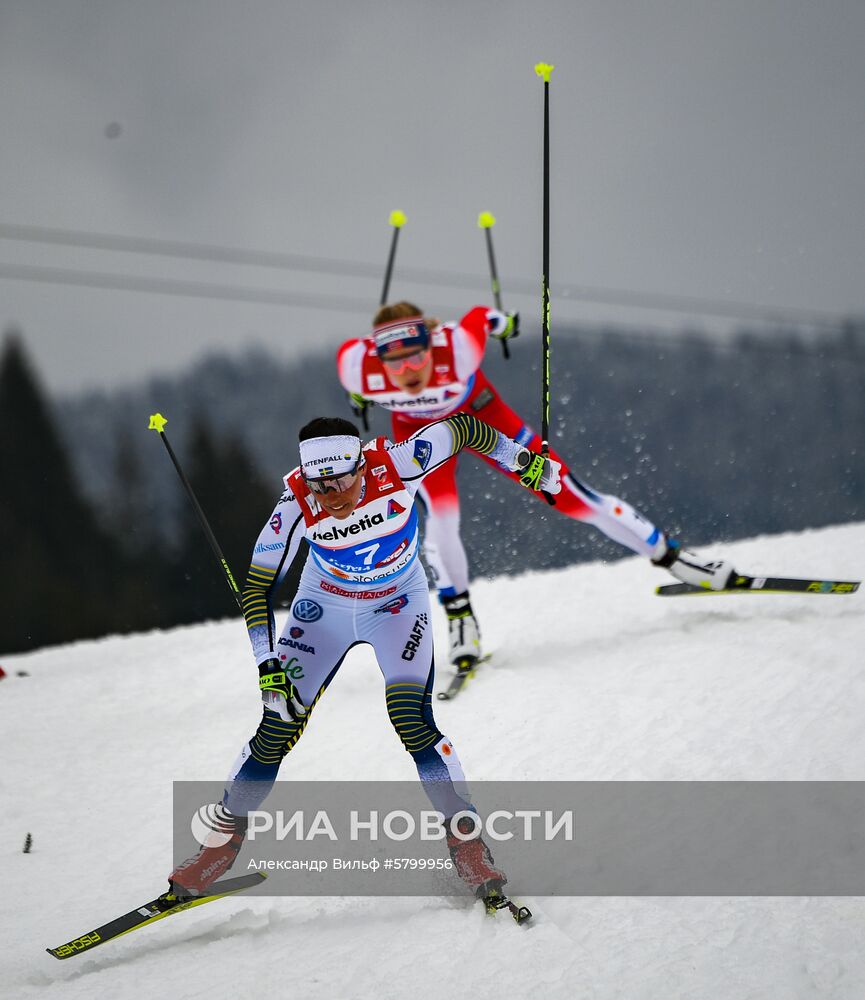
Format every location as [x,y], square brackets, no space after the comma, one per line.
[593,678]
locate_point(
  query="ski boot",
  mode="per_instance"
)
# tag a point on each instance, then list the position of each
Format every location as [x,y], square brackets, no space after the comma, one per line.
[195,875]
[463,632]
[473,861]
[690,568]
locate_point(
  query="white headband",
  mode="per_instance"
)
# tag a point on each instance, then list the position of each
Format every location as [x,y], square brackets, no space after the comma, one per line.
[401,333]
[329,456]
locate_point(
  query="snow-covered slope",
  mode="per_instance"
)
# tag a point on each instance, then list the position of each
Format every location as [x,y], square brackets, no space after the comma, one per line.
[593,678]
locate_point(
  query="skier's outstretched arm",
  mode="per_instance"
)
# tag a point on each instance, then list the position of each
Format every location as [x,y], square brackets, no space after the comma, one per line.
[469,338]
[438,442]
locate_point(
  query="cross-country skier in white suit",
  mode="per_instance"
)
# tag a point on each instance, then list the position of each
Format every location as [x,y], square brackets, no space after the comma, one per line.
[363,582]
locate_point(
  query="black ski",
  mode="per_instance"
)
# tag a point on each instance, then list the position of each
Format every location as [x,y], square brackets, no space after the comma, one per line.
[163,906]
[765,585]
[465,670]
[496,900]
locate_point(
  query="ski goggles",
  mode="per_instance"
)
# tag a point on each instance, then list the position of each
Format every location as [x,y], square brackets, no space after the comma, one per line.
[413,362]
[335,484]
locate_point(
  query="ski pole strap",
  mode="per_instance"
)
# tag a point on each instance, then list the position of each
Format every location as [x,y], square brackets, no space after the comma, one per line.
[271,677]
[545,451]
[532,471]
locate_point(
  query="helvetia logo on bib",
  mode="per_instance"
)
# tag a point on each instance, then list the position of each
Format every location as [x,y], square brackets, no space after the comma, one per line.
[335,533]
[394,509]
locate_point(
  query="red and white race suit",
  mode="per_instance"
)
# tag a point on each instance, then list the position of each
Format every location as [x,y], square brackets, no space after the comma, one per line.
[458,385]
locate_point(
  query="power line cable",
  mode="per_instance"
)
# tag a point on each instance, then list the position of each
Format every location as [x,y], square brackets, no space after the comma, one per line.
[188,251]
[661,336]
[572,293]
[171,286]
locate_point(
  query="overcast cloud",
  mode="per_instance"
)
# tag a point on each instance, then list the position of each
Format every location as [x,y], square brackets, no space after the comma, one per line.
[705,149]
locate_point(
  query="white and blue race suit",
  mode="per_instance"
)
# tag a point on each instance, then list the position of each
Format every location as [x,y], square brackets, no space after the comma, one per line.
[363,584]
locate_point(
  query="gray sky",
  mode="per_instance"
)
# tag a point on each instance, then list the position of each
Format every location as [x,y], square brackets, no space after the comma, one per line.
[703,149]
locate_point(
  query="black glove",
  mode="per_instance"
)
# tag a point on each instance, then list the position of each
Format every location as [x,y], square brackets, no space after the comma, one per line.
[359,405]
[272,677]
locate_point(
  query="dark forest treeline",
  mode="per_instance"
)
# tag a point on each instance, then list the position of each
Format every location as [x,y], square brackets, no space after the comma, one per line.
[74,569]
[714,441]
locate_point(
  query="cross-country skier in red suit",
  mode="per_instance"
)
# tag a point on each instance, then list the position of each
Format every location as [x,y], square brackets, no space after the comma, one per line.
[423,370]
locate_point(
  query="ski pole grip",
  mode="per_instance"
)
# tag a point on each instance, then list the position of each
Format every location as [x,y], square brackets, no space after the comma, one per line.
[545,451]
